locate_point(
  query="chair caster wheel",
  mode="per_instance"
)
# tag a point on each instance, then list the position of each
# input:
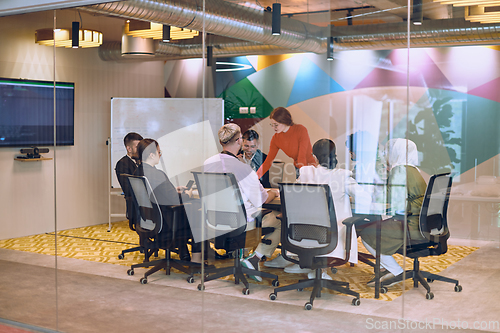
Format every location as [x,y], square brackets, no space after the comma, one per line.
[383,290]
[356,302]
[141,251]
[190,279]
[458,288]
[130,272]
[334,270]
[308,306]
[429,295]
[121,256]
[201,287]
[430,280]
[143,281]
[245,291]
[275,283]
[300,289]
[273,296]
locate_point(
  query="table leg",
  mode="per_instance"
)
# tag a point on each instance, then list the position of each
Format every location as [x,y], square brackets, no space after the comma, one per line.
[377,259]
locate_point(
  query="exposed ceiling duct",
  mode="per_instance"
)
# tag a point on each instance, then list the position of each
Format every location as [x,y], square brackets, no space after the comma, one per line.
[223,19]
[452,32]
[252,30]
[112,51]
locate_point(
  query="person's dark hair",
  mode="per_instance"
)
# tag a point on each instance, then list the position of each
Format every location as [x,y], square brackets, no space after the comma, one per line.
[349,143]
[326,153]
[132,136]
[145,147]
[358,139]
[251,135]
[282,116]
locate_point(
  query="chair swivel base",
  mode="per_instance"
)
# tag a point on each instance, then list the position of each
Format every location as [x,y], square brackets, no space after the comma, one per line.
[318,283]
[133,249]
[168,263]
[238,271]
[422,277]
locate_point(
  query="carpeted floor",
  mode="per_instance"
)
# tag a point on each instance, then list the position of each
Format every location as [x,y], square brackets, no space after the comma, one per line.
[96,244]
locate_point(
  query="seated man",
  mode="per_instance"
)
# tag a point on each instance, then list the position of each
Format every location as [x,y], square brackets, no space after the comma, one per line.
[252,191]
[342,187]
[127,165]
[253,156]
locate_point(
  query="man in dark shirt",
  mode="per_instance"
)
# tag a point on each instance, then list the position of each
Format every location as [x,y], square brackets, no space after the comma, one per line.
[127,165]
[253,156]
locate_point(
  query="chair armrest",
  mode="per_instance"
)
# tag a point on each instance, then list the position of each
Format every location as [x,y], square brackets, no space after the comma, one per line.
[361,221]
[349,223]
[175,207]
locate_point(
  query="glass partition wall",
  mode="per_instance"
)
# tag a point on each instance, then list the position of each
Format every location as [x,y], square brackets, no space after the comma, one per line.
[28,223]
[390,93]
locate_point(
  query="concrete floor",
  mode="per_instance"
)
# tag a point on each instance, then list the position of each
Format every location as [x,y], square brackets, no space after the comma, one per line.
[96,297]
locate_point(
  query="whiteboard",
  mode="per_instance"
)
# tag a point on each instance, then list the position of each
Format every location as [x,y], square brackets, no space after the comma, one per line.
[185,128]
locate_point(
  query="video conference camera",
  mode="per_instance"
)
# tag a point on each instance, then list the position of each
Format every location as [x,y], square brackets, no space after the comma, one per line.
[34,152]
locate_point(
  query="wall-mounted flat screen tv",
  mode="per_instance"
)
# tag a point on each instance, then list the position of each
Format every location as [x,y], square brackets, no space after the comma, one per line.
[27,113]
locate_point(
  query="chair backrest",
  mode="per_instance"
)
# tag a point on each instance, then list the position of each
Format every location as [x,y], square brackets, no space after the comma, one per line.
[148,212]
[276,173]
[433,221]
[309,225]
[222,203]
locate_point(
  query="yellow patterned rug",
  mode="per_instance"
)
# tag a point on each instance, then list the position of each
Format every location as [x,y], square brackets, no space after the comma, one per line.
[96,244]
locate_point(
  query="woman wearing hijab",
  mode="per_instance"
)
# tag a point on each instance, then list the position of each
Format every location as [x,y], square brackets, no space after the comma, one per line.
[404,182]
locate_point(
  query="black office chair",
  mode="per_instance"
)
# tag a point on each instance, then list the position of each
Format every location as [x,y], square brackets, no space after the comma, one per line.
[131,216]
[434,228]
[309,229]
[225,221]
[157,230]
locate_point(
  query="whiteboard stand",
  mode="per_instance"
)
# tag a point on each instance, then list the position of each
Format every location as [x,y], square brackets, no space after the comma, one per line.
[111,192]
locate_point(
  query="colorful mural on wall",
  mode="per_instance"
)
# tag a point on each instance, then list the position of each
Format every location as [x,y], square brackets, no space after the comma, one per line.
[451,109]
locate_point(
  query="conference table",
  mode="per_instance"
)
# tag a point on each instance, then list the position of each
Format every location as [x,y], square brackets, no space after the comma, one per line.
[374,216]
[473,211]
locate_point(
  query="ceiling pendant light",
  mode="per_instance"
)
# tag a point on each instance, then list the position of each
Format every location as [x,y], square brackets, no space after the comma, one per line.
[156,30]
[329,50]
[276,22]
[418,13]
[75,32]
[64,37]
[166,34]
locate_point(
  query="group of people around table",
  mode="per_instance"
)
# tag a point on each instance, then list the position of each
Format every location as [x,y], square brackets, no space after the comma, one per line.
[315,164]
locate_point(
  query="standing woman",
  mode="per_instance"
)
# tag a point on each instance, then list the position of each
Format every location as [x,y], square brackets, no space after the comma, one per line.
[292,138]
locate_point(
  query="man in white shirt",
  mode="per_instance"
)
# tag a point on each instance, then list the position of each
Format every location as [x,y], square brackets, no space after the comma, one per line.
[252,191]
[342,187]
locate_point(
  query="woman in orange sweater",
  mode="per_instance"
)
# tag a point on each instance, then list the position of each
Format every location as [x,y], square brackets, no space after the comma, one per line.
[292,138]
